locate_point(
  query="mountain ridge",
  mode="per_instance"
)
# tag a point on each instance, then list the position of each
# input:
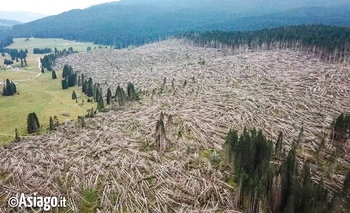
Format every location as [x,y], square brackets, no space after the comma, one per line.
[134,22]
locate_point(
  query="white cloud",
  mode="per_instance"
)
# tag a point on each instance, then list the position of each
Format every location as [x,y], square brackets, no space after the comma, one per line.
[48,7]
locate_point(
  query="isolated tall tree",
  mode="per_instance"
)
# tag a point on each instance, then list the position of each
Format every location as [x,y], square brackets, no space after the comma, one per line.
[9,88]
[96,91]
[72,79]
[32,123]
[82,78]
[100,103]
[120,96]
[89,91]
[118,93]
[74,95]
[109,96]
[65,71]
[64,84]
[54,76]
[279,146]
[79,81]
[132,96]
[52,124]
[83,87]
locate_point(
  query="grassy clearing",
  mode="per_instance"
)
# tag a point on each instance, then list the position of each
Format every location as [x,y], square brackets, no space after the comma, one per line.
[15,75]
[41,95]
[23,43]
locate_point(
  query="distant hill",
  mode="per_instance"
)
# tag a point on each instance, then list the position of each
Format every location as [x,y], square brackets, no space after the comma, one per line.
[8,23]
[20,16]
[336,16]
[135,22]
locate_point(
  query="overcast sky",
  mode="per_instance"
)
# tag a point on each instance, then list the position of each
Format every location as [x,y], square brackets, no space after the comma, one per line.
[48,7]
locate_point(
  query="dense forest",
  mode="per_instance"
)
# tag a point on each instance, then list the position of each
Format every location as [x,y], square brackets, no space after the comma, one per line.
[4,42]
[41,51]
[331,43]
[269,178]
[133,22]
[49,60]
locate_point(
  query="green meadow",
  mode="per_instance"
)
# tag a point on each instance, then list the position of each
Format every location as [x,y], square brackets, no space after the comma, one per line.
[39,94]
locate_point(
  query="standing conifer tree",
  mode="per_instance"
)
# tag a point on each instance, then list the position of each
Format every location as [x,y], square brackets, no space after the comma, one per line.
[9,89]
[132,96]
[289,184]
[346,189]
[279,146]
[52,124]
[54,76]
[109,96]
[90,92]
[64,84]
[74,95]
[100,104]
[65,71]
[32,123]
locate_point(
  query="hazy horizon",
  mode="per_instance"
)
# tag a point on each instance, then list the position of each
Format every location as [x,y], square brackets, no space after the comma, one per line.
[48,8]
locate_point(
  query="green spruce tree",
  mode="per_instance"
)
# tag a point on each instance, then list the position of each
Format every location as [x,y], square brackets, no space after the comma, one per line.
[100,103]
[74,95]
[53,74]
[64,84]
[132,96]
[279,146]
[346,189]
[33,125]
[90,91]
[109,96]
[52,124]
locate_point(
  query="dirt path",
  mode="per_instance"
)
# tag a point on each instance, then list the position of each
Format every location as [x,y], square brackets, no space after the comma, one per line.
[28,79]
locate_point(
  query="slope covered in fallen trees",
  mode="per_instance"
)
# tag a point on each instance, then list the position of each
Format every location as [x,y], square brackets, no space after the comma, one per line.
[165,152]
[276,90]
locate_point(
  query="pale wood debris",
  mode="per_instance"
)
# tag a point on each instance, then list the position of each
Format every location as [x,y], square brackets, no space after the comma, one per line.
[274,90]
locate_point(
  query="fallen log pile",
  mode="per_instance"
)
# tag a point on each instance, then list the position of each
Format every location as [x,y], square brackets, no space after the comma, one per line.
[206,93]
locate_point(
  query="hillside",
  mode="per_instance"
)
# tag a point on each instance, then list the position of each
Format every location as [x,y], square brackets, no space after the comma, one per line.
[8,23]
[203,92]
[336,16]
[131,22]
